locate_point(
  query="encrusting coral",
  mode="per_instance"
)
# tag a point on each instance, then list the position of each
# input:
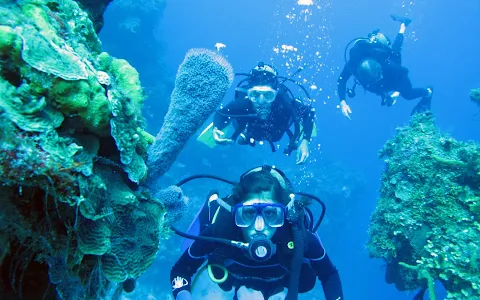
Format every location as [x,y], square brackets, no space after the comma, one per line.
[426,223]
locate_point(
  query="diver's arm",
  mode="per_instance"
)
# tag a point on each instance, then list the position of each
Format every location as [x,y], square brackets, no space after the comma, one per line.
[342,82]
[236,107]
[329,277]
[183,271]
[323,267]
[189,263]
[307,114]
[398,43]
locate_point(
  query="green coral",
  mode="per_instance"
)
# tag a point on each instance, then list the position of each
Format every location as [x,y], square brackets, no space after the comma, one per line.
[132,146]
[423,274]
[10,42]
[146,136]
[27,112]
[449,162]
[38,16]
[63,206]
[104,61]
[128,83]
[428,208]
[70,96]
[86,98]
[475,95]
[126,231]
[45,56]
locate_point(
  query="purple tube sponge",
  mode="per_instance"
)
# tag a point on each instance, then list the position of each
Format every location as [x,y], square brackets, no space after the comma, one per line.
[201,83]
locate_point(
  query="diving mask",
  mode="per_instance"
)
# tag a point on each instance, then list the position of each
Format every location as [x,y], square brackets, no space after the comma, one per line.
[273,214]
[263,93]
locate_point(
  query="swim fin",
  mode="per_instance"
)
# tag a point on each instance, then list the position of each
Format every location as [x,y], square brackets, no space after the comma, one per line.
[403,20]
[206,137]
[424,104]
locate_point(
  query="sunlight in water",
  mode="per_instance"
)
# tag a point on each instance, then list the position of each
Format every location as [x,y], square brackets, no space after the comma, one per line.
[309,48]
[305,2]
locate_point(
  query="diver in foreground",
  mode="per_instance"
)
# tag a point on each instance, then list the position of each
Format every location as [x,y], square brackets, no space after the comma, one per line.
[376,65]
[264,109]
[261,237]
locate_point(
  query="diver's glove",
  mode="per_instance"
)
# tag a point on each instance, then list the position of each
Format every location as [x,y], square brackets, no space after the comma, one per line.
[184,295]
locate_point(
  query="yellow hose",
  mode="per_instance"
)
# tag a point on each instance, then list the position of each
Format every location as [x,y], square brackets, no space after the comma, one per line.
[212,277]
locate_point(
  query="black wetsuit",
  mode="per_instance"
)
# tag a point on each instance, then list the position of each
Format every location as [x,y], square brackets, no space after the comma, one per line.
[395,76]
[270,277]
[284,112]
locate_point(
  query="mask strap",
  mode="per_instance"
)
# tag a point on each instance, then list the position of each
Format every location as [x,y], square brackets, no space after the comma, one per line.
[243,90]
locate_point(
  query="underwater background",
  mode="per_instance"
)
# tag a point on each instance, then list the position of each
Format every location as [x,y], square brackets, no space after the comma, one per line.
[441,49]
[80,214]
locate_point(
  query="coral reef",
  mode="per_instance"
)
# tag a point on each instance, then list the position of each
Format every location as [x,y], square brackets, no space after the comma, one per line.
[75,220]
[201,83]
[426,224]
[72,147]
[475,95]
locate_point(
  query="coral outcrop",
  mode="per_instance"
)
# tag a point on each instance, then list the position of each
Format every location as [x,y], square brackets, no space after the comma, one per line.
[75,220]
[72,151]
[475,95]
[426,225]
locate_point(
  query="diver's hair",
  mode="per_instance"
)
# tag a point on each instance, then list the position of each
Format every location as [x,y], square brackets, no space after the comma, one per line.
[257,182]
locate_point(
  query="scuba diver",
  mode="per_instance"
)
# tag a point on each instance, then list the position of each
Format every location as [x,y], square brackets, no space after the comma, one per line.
[376,65]
[261,237]
[264,109]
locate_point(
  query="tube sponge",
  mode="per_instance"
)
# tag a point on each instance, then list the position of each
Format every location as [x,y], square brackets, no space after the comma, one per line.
[201,82]
[175,202]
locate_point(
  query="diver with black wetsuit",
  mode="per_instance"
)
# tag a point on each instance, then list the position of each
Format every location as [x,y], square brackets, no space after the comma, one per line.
[270,244]
[263,110]
[269,277]
[376,65]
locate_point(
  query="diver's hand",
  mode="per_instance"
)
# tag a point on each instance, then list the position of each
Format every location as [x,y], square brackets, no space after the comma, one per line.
[184,295]
[218,137]
[345,109]
[302,152]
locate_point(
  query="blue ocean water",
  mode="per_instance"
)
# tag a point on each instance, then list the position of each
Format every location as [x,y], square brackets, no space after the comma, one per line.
[441,49]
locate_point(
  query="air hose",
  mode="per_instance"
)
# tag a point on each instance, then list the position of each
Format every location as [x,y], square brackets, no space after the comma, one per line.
[296,217]
[212,276]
